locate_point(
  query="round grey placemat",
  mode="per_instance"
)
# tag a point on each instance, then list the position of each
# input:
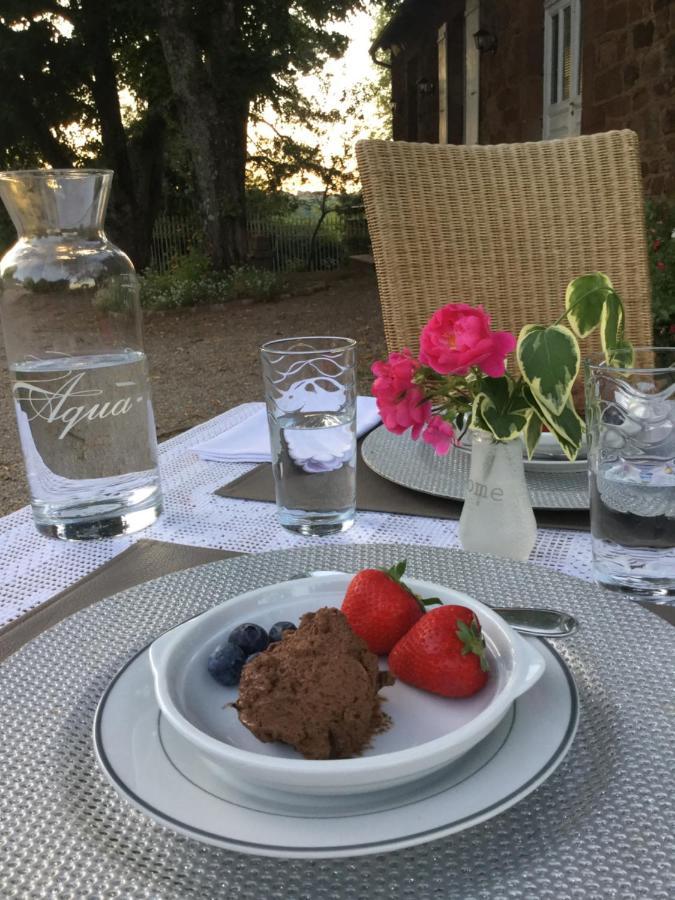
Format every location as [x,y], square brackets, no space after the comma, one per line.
[601,826]
[415,465]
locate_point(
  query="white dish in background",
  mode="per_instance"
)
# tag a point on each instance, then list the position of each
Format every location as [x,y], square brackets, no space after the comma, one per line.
[548,455]
[512,761]
[428,731]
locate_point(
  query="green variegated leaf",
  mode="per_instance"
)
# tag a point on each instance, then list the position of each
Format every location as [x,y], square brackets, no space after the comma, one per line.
[584,302]
[502,408]
[504,425]
[518,401]
[622,356]
[611,323]
[477,420]
[566,426]
[549,360]
[498,390]
[532,433]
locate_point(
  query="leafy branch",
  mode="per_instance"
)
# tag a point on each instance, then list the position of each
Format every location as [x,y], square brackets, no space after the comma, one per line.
[549,360]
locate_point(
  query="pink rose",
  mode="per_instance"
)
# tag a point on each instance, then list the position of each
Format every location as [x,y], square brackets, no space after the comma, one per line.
[440,434]
[458,336]
[401,403]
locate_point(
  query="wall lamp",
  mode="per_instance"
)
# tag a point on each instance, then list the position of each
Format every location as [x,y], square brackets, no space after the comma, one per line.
[486,41]
[424,86]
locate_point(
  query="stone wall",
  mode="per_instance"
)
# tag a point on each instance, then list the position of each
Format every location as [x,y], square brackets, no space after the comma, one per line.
[511,86]
[629,80]
[414,59]
[628,75]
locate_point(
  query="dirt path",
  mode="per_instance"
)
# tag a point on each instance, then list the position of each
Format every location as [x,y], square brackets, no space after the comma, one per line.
[204,360]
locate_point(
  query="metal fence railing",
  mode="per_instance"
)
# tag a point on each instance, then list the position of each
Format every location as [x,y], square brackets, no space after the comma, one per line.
[279,244]
[172,237]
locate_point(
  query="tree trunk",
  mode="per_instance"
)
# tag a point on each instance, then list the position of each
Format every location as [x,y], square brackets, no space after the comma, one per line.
[323,212]
[213,111]
[136,193]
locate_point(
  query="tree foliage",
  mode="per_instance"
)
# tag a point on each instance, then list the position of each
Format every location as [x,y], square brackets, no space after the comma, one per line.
[64,65]
[197,70]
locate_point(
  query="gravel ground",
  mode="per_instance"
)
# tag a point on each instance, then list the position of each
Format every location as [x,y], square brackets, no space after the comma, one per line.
[204,360]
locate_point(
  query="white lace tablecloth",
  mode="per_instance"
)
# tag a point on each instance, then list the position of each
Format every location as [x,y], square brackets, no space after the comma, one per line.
[33,568]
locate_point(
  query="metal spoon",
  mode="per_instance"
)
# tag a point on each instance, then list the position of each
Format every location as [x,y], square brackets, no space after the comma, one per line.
[548,623]
[540,622]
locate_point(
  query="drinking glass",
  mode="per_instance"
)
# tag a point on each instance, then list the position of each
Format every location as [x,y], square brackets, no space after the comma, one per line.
[72,328]
[630,415]
[310,392]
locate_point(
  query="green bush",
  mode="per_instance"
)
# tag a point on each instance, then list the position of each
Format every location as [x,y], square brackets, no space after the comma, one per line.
[661,249]
[258,284]
[191,281]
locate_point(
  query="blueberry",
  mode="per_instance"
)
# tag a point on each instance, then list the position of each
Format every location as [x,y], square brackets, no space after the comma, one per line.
[278,629]
[225,664]
[249,638]
[252,656]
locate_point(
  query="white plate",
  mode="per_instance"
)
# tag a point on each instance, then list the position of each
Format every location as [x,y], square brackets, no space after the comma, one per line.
[427,731]
[513,760]
[415,465]
[548,455]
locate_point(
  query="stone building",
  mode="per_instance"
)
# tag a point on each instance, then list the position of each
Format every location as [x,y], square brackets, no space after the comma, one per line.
[493,71]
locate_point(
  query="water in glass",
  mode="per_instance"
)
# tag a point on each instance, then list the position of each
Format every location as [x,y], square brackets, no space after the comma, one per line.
[314,459]
[69,305]
[74,415]
[631,429]
[633,535]
[310,390]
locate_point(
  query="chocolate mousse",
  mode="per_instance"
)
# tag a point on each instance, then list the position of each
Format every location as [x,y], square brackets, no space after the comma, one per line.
[316,689]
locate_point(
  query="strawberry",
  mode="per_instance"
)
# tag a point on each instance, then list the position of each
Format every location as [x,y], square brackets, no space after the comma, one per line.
[443,653]
[380,608]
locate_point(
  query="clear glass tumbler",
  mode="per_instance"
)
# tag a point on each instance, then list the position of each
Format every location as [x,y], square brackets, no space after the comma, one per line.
[72,328]
[310,392]
[630,416]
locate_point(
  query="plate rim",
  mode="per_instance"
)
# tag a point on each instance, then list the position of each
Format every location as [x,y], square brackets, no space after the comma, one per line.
[365,448]
[542,465]
[545,770]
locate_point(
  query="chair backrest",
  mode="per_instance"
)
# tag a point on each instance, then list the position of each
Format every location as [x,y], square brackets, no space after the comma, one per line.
[505,226]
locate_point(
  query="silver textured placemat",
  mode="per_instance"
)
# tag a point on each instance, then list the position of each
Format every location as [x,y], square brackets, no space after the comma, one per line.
[602,826]
[415,465]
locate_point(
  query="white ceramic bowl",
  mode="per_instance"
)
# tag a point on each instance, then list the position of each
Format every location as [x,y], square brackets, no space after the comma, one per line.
[428,731]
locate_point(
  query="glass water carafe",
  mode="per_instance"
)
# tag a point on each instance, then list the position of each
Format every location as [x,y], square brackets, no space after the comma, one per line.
[72,327]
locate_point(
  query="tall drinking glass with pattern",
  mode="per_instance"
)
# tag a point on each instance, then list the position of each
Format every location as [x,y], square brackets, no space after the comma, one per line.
[630,415]
[310,392]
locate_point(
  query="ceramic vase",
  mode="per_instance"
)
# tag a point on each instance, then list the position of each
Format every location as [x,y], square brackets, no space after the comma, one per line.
[497,517]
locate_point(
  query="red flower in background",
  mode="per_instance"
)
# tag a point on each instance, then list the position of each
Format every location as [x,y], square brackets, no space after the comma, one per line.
[661,266]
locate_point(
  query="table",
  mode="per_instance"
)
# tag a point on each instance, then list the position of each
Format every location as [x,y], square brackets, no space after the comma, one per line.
[34,568]
[565,838]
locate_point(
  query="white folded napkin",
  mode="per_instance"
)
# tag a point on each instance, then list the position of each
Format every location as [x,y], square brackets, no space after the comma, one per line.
[250,441]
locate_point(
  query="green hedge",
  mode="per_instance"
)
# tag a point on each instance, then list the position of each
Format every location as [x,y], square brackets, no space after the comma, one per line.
[661,248]
[191,282]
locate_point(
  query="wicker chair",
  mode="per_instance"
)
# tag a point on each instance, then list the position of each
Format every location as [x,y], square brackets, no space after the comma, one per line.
[505,226]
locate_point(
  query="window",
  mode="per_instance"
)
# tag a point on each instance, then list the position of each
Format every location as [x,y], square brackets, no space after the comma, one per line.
[562,68]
